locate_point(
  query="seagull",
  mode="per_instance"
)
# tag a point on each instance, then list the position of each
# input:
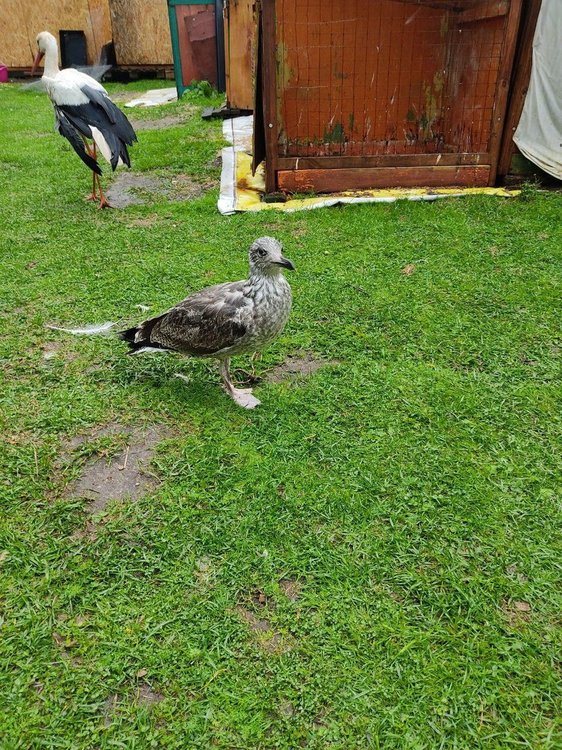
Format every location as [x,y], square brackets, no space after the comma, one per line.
[224,320]
[84,110]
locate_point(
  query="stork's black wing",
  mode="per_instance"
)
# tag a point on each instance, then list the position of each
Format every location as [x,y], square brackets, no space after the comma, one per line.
[101,113]
[67,129]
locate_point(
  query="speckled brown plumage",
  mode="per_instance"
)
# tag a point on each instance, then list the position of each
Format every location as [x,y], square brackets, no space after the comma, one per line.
[226,319]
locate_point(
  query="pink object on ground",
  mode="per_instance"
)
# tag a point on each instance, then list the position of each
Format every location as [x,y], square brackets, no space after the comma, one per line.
[3,74]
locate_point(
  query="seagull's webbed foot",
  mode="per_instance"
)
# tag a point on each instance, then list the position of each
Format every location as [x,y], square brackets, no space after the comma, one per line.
[244,397]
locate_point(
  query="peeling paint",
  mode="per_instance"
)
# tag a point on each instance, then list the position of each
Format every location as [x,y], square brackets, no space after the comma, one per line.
[284,72]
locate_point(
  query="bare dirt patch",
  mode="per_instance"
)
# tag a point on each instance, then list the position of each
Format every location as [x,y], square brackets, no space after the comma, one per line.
[160,123]
[116,474]
[267,637]
[291,588]
[50,349]
[409,269]
[261,599]
[144,221]
[302,364]
[514,572]
[146,696]
[136,189]
[286,709]
[55,350]
[204,571]
[65,646]
[88,533]
[516,612]
[109,709]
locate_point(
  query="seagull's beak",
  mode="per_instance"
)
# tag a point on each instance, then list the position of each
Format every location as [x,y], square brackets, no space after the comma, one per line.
[38,57]
[285,263]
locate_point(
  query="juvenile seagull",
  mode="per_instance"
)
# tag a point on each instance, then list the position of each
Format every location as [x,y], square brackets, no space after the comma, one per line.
[84,110]
[221,321]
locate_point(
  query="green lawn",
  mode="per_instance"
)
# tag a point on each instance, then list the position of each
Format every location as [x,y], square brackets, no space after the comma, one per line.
[371,559]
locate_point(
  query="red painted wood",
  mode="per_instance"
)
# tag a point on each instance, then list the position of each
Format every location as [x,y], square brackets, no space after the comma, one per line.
[336,180]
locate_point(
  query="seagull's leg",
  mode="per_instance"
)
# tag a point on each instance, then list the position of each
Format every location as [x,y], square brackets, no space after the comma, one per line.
[242,396]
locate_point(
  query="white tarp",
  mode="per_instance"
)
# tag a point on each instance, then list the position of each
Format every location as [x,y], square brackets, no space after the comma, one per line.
[539,133]
[242,191]
[154,97]
[238,131]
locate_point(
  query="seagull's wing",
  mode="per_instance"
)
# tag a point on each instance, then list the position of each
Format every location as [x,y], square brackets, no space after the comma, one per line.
[204,324]
[86,105]
[67,129]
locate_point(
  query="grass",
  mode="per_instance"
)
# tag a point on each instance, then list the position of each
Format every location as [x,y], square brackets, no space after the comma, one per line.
[408,495]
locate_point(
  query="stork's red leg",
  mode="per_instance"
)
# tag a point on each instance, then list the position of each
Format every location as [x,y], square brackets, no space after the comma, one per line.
[104,203]
[92,196]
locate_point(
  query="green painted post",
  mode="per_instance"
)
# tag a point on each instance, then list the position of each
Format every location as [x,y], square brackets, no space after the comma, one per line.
[174,33]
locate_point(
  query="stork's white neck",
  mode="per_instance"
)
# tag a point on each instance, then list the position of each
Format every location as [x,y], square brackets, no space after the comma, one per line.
[51,60]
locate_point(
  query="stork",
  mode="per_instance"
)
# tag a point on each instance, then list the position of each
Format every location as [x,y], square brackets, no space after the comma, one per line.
[83,110]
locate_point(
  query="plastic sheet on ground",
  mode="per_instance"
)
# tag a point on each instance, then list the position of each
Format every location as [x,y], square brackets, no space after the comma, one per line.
[242,191]
[154,98]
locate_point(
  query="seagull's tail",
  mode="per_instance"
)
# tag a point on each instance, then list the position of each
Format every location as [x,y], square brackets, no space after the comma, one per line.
[129,336]
[139,337]
[138,343]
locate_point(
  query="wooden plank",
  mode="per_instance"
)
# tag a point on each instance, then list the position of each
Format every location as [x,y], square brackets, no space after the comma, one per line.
[502,85]
[383,160]
[258,136]
[456,5]
[269,83]
[482,11]
[518,90]
[336,180]
[240,52]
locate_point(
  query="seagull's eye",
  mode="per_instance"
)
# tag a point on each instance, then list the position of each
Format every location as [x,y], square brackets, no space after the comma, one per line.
[261,252]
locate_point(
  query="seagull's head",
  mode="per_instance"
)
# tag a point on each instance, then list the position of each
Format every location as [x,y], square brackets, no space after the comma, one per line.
[46,42]
[266,257]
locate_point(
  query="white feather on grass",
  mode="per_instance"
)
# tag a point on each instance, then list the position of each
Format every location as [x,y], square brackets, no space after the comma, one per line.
[148,350]
[89,330]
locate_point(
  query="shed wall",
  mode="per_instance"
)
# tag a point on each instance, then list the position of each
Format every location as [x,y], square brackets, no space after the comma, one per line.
[359,78]
[141,32]
[22,21]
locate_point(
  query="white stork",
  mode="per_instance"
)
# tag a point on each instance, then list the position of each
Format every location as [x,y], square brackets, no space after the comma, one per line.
[84,110]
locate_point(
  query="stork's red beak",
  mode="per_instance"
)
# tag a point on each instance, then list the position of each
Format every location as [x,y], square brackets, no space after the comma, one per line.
[38,58]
